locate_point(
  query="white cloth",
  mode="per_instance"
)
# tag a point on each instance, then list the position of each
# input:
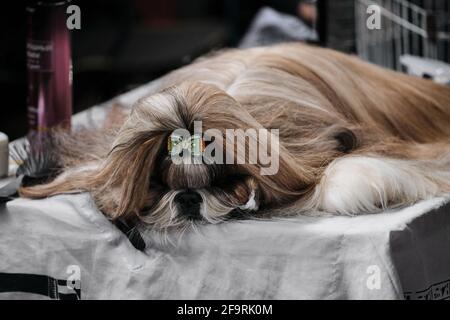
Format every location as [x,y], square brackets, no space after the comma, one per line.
[270,27]
[385,256]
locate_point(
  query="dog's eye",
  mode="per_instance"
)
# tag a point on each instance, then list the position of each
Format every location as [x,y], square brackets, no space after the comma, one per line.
[347,140]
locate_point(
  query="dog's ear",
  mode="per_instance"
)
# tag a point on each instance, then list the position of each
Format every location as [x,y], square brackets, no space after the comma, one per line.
[347,140]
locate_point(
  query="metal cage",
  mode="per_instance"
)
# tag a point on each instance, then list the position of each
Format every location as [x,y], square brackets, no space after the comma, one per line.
[420,28]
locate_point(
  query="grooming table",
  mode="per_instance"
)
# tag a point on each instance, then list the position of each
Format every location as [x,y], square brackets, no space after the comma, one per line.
[64,248]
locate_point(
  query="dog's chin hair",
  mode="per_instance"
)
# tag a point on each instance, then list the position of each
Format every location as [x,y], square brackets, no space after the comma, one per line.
[167,236]
[166,216]
[213,210]
[166,226]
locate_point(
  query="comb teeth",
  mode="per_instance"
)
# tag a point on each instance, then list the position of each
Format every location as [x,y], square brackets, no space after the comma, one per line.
[35,157]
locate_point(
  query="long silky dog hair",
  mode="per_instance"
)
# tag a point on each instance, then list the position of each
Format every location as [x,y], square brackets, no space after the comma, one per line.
[353,138]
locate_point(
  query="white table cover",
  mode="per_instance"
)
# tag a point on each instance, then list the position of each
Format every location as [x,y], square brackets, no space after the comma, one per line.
[403,253]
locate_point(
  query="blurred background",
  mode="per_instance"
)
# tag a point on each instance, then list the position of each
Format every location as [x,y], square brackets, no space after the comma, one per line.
[125,43]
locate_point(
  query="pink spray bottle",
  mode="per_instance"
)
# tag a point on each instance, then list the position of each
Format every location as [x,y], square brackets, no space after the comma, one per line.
[49,66]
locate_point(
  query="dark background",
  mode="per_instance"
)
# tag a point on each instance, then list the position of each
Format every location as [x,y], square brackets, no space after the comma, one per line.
[125,43]
[121,44]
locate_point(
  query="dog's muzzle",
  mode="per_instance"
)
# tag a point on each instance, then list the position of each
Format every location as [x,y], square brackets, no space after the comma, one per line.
[188,203]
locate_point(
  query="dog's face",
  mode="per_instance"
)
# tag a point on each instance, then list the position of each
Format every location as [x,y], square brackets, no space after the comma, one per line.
[163,192]
[181,193]
[150,176]
[162,171]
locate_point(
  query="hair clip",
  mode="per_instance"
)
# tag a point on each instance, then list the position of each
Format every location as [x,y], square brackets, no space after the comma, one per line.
[176,144]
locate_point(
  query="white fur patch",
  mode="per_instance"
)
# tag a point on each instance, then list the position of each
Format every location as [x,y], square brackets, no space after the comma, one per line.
[251,203]
[364,184]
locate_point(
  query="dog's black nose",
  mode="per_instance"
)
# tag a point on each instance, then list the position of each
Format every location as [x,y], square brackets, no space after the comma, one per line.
[189,204]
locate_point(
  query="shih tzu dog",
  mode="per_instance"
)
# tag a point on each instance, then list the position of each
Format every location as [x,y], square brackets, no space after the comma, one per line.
[338,135]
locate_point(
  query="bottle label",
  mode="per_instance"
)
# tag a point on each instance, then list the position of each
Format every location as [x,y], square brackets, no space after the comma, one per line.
[39,55]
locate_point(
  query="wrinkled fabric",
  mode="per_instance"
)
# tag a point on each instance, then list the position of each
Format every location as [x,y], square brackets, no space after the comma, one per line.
[270,27]
[394,255]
